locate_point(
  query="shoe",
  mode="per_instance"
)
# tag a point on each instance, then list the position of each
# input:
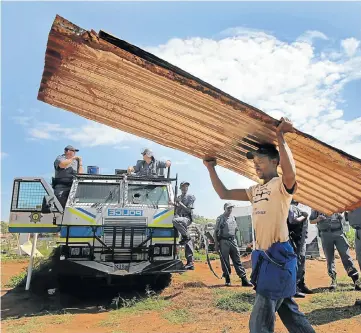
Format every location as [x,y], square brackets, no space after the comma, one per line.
[333,284]
[304,289]
[245,282]
[299,294]
[189,267]
[228,281]
[358,285]
[358,302]
[184,240]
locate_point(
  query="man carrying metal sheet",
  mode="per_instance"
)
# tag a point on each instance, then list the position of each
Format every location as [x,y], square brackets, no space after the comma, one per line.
[274,263]
[354,219]
[183,217]
[225,242]
[149,166]
[297,227]
[66,166]
[332,234]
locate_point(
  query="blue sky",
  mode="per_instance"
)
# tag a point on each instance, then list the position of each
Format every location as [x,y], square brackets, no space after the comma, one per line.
[34,133]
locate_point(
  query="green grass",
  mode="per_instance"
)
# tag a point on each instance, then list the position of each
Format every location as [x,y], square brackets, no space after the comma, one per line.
[178,316]
[236,302]
[200,255]
[134,306]
[28,326]
[329,299]
[17,280]
[13,258]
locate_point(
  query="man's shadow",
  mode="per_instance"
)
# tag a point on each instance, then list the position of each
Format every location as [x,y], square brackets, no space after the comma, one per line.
[329,315]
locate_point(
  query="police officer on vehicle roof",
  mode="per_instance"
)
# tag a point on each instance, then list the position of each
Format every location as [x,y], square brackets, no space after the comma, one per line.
[183,217]
[66,166]
[298,229]
[225,242]
[354,218]
[149,166]
[332,234]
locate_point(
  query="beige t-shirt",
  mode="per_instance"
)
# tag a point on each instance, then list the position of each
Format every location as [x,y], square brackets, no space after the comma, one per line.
[271,203]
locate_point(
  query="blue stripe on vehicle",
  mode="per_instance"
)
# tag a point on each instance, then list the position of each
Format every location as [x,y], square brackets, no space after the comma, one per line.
[33,230]
[161,213]
[86,212]
[80,231]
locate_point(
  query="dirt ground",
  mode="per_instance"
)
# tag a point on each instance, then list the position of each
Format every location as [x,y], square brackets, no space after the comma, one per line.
[190,307]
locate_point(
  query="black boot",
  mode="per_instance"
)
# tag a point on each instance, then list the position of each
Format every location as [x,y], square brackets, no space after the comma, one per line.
[333,284]
[228,280]
[304,289]
[184,240]
[356,280]
[189,266]
[245,282]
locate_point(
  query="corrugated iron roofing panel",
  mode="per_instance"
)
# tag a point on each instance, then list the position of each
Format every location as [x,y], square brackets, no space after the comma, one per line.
[115,83]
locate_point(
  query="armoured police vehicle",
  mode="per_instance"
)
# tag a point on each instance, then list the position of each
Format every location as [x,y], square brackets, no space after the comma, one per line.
[111,226]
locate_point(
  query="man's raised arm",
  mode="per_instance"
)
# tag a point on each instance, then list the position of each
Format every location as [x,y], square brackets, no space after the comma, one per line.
[222,191]
[286,159]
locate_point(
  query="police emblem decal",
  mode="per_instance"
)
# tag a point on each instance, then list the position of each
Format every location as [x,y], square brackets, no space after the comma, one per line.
[35,217]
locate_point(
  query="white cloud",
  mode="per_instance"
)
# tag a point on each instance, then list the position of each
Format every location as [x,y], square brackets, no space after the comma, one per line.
[89,135]
[3,155]
[281,78]
[310,35]
[350,46]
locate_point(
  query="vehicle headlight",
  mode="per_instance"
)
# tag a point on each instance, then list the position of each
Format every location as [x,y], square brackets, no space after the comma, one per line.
[165,250]
[85,251]
[75,251]
[156,250]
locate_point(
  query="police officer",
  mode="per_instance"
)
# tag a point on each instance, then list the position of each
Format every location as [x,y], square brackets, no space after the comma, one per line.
[225,242]
[298,226]
[149,166]
[354,219]
[183,217]
[66,166]
[332,234]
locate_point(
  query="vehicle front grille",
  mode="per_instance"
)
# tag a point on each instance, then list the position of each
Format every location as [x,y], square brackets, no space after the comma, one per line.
[129,233]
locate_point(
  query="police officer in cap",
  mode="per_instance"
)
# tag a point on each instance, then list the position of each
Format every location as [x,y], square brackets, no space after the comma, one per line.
[332,234]
[354,218]
[183,217]
[149,166]
[225,242]
[66,166]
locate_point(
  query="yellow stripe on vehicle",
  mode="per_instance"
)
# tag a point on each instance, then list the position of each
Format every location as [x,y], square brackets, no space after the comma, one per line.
[81,215]
[168,239]
[76,240]
[32,225]
[163,217]
[168,225]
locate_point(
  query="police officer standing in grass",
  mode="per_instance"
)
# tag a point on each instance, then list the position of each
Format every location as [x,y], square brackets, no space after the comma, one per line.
[298,227]
[66,166]
[332,234]
[354,219]
[225,242]
[274,263]
[183,217]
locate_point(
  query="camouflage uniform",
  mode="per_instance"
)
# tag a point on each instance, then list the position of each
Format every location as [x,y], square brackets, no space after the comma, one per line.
[332,234]
[226,228]
[144,169]
[182,220]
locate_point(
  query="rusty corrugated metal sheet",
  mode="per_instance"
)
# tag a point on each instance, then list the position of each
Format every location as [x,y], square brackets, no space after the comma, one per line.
[115,83]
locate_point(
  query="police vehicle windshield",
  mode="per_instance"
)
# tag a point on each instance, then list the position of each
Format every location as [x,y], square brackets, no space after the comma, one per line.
[152,195]
[97,193]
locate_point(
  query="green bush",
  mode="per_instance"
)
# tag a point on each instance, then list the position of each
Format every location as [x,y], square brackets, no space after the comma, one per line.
[350,235]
